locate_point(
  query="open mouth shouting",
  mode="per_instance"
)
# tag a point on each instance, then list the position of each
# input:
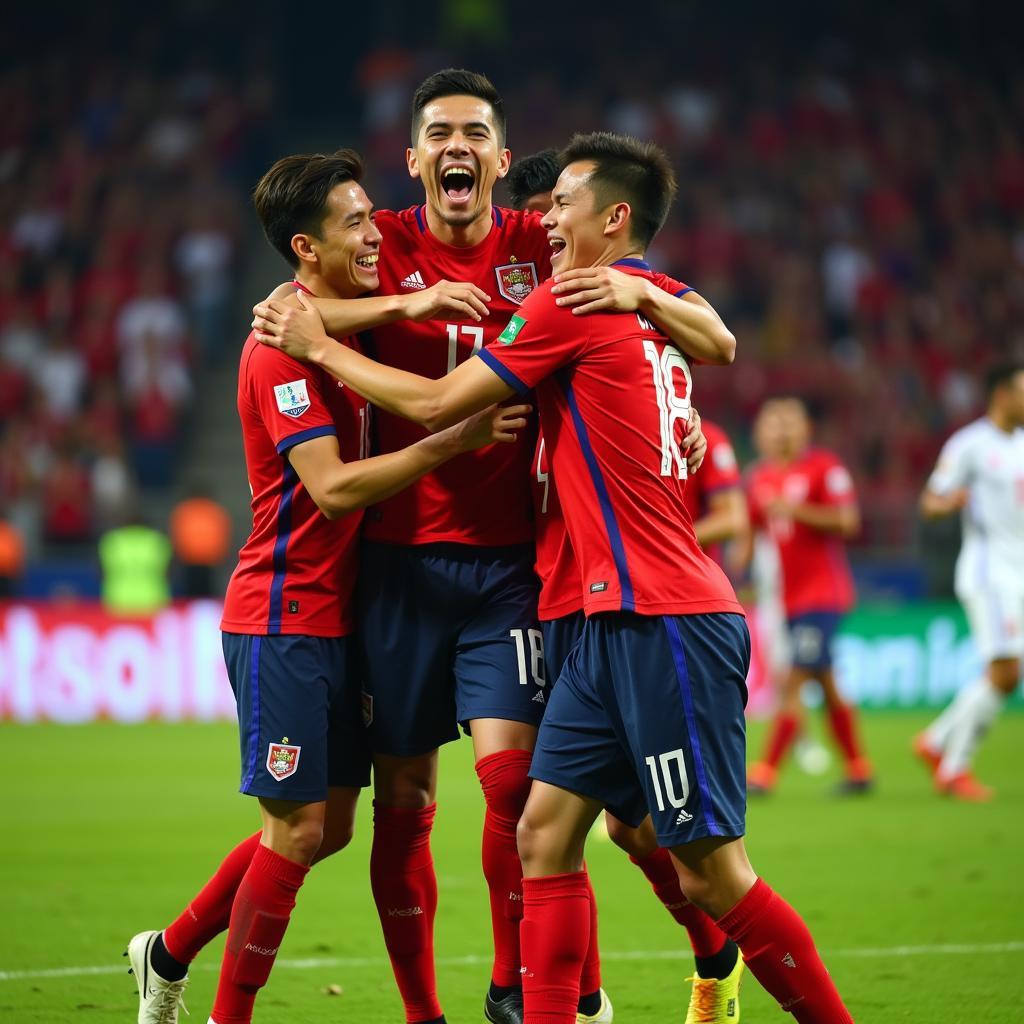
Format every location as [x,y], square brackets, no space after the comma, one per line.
[457,181]
[557,247]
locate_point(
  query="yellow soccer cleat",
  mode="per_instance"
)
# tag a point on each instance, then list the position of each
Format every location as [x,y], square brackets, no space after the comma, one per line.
[715,1001]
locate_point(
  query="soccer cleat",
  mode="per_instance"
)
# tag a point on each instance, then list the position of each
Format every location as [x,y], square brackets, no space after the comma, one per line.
[964,787]
[858,779]
[927,755]
[159,1000]
[714,1000]
[605,1014]
[507,1010]
[761,779]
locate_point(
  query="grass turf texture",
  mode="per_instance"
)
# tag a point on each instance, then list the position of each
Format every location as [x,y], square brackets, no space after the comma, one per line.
[111,828]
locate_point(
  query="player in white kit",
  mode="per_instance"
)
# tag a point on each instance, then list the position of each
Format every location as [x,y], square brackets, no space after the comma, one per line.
[980,473]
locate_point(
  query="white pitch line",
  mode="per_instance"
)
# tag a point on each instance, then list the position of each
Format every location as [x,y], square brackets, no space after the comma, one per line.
[473,960]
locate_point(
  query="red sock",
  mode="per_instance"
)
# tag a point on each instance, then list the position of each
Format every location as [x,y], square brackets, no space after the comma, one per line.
[785,730]
[590,976]
[210,911]
[843,720]
[506,785]
[405,891]
[706,937]
[259,917]
[555,935]
[780,953]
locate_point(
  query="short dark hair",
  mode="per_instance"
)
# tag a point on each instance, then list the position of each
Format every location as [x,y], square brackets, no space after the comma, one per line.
[628,170]
[530,175]
[457,82]
[292,196]
[999,375]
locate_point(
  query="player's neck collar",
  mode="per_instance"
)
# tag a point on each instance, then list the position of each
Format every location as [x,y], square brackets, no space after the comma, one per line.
[635,263]
[299,286]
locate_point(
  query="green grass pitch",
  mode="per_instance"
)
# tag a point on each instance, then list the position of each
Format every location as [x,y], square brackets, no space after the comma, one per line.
[915,902]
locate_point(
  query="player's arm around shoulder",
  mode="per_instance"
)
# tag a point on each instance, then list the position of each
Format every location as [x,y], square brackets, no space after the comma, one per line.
[339,487]
[688,320]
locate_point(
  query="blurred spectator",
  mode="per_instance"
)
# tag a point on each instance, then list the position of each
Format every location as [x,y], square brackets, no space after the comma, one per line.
[12,558]
[201,539]
[134,559]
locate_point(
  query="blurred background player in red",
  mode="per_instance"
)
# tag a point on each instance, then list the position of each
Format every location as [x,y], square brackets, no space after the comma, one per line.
[804,499]
[980,473]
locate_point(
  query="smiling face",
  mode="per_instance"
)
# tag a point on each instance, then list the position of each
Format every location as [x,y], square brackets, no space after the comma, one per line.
[459,155]
[577,230]
[348,243]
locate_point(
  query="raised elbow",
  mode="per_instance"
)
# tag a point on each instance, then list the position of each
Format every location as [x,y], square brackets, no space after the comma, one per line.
[725,345]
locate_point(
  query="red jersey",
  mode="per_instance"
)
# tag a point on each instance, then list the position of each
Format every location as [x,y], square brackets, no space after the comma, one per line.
[296,571]
[614,400]
[718,472]
[479,497]
[561,587]
[815,572]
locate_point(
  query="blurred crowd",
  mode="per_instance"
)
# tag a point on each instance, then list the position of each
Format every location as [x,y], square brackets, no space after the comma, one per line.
[120,217]
[859,223]
[855,212]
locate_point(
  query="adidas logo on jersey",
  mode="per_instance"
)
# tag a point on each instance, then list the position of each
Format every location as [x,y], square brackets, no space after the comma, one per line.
[683,817]
[414,280]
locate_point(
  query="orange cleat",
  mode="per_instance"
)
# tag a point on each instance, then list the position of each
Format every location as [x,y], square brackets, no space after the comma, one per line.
[761,778]
[964,787]
[929,757]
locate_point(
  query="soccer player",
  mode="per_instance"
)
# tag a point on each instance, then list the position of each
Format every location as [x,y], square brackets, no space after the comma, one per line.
[647,716]
[288,614]
[530,181]
[447,593]
[805,500]
[980,473]
[715,502]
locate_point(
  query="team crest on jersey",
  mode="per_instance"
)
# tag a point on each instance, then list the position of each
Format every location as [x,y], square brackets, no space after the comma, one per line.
[516,280]
[292,398]
[282,760]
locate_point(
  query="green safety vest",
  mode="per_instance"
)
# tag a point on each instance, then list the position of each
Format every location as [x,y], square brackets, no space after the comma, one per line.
[134,560]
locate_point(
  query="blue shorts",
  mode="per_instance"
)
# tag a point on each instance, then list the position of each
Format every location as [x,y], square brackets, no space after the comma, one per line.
[810,638]
[647,717]
[448,633]
[300,720]
[560,637]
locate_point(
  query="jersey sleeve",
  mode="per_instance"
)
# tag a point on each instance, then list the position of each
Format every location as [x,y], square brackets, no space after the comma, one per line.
[671,285]
[953,469]
[288,398]
[540,339]
[835,484]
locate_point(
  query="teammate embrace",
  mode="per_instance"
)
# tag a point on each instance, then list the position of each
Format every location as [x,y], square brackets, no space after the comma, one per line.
[647,715]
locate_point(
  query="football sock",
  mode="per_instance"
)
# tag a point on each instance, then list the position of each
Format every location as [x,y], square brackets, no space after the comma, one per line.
[785,730]
[505,782]
[555,934]
[706,938]
[842,720]
[209,912]
[165,965]
[405,891]
[779,950]
[590,976]
[721,964]
[937,734]
[259,918]
[980,705]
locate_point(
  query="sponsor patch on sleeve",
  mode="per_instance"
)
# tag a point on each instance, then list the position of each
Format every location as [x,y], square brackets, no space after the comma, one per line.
[292,398]
[512,329]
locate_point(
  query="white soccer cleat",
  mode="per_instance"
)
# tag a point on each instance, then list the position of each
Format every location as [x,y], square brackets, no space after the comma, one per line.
[605,1014]
[159,1000]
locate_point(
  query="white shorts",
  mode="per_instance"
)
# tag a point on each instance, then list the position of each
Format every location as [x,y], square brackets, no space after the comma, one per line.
[996,617]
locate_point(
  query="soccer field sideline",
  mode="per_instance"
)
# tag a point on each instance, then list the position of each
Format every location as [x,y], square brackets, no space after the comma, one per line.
[474,960]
